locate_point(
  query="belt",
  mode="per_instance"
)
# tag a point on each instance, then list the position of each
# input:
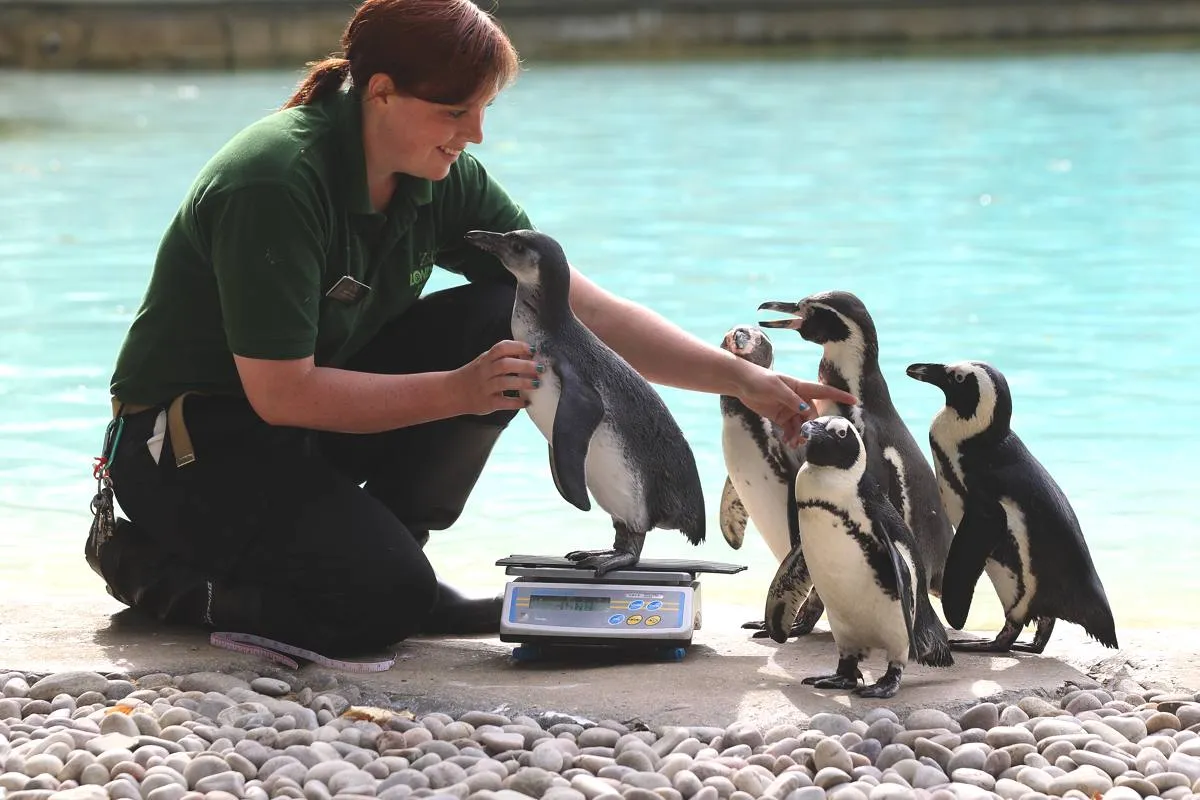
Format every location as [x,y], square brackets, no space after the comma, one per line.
[181,441]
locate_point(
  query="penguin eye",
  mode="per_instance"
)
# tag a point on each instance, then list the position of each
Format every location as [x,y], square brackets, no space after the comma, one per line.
[959,377]
[841,433]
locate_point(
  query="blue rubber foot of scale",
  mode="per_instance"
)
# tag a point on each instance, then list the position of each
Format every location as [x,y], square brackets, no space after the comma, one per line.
[532,652]
[526,652]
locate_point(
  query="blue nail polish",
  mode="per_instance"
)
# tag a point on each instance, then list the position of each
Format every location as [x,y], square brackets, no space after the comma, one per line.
[532,349]
[541,367]
[803,406]
[537,382]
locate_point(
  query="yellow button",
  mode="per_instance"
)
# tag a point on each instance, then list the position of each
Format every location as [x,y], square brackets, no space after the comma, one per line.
[634,619]
[653,620]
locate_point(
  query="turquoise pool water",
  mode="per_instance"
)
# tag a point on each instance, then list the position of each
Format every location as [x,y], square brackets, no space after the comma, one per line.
[1040,213]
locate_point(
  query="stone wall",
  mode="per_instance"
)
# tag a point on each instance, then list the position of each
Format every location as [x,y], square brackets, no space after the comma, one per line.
[231,34]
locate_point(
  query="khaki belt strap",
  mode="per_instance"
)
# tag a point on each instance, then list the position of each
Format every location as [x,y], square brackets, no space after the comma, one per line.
[181,441]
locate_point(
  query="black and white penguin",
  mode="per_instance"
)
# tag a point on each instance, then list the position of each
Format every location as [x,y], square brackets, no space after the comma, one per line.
[840,323]
[761,474]
[861,557]
[1011,518]
[609,432]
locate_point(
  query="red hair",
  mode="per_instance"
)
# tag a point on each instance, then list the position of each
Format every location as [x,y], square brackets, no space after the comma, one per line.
[443,51]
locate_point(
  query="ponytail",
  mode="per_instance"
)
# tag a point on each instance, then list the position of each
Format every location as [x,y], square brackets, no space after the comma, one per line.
[324,78]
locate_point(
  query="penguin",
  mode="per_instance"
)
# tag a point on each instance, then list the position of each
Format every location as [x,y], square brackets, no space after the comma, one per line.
[840,323]
[861,557]
[1011,518]
[761,474]
[609,433]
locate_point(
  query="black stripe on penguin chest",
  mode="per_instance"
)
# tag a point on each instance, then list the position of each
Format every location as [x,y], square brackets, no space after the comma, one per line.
[876,557]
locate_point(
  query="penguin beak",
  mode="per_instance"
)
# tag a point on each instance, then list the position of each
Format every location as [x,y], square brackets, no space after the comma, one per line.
[485,240]
[928,373]
[741,340]
[811,429]
[795,309]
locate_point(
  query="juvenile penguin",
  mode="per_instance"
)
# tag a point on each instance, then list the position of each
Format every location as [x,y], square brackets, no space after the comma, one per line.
[861,557]
[1012,518]
[761,480]
[608,431]
[840,323]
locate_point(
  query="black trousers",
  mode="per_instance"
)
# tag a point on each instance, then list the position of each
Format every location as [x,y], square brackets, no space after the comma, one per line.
[308,537]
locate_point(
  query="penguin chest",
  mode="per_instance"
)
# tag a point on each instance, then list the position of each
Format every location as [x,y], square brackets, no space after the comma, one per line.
[616,488]
[948,471]
[762,491]
[862,615]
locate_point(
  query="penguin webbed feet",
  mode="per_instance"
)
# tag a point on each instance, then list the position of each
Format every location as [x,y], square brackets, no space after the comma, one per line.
[847,676]
[1006,639]
[603,561]
[886,686]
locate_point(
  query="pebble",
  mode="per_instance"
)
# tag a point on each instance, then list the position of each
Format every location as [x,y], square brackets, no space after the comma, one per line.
[211,736]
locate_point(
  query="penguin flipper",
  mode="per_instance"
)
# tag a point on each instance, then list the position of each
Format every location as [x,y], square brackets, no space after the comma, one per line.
[904,583]
[579,412]
[793,519]
[733,516]
[981,530]
[789,589]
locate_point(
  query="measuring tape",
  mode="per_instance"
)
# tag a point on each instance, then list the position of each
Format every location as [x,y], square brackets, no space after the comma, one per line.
[281,653]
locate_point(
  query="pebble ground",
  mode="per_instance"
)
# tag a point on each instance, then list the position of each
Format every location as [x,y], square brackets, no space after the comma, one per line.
[84,735]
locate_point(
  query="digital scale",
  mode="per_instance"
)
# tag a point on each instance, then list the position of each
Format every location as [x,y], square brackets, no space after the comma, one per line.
[552,603]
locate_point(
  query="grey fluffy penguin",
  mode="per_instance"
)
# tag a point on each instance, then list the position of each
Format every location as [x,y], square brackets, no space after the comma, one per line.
[841,324]
[861,557]
[608,431]
[1012,518]
[761,471]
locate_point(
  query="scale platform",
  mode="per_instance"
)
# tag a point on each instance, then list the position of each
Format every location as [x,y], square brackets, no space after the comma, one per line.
[554,603]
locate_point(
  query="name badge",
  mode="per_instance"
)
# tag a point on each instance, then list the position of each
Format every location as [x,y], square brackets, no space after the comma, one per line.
[348,290]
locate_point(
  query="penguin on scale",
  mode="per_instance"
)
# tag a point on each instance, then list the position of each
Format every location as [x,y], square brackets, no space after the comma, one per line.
[1012,518]
[609,432]
[840,323]
[761,468]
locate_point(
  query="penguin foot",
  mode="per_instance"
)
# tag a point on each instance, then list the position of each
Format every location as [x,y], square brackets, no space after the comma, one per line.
[602,561]
[996,645]
[799,628]
[831,681]
[847,676]
[886,686]
[1006,639]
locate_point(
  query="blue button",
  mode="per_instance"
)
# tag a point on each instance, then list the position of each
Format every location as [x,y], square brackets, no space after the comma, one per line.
[654,605]
[634,605]
[616,619]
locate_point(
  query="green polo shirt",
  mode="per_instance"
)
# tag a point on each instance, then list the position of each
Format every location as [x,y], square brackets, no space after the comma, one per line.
[270,225]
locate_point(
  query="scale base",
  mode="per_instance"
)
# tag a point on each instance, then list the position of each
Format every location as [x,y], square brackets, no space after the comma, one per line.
[550,651]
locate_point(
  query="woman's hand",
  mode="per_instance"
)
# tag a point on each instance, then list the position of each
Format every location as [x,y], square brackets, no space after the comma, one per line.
[497,379]
[786,401]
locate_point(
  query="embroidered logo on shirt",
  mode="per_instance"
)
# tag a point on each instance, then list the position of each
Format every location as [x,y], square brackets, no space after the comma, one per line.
[424,269]
[418,276]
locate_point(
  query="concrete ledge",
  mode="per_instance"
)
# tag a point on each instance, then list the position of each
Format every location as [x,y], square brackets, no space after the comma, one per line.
[725,677]
[222,34]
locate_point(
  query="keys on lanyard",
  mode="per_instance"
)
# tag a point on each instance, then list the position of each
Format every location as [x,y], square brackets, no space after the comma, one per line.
[103,516]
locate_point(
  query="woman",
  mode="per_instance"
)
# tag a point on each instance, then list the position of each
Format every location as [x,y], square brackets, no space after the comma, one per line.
[284,314]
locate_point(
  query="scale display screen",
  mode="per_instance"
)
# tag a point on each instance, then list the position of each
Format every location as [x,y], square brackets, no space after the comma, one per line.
[540,610]
[559,602]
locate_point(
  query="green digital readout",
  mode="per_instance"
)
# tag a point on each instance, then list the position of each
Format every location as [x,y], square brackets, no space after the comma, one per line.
[562,602]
